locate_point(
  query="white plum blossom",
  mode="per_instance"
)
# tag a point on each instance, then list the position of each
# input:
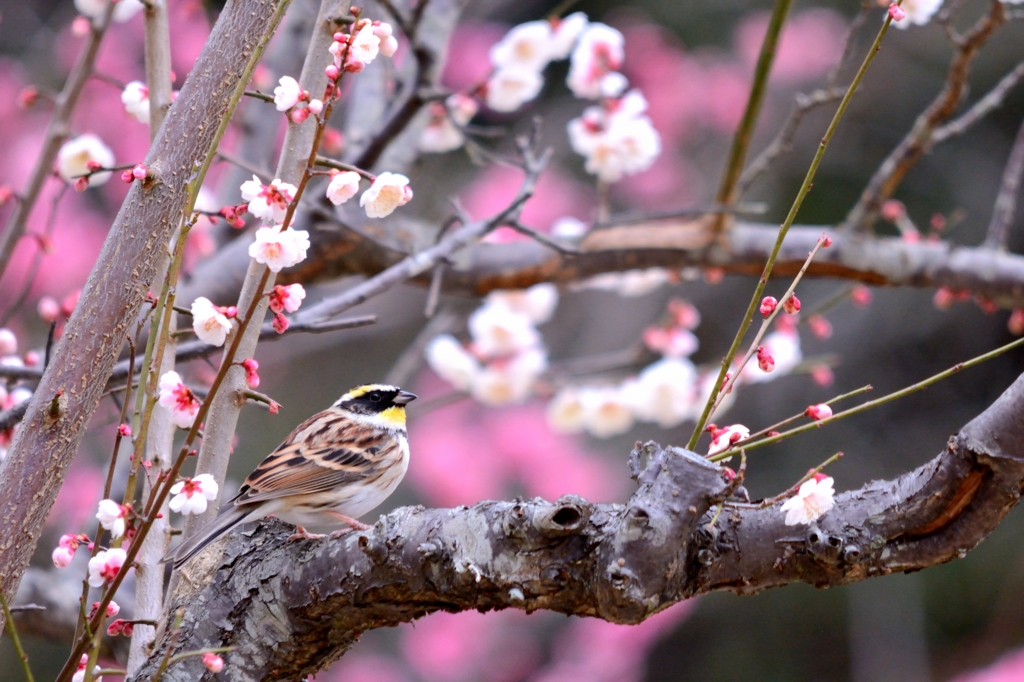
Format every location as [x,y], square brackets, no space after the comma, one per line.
[565,412]
[179,399]
[364,45]
[388,44]
[498,330]
[209,322]
[343,186]
[511,87]
[279,249]
[111,516]
[191,494]
[287,94]
[526,46]
[443,132]
[268,202]
[568,227]
[814,499]
[123,9]
[75,157]
[388,192]
[598,53]
[628,284]
[135,98]
[919,12]
[103,567]
[506,381]
[62,556]
[538,302]
[664,392]
[79,675]
[287,298]
[617,139]
[606,411]
[452,361]
[566,32]
[723,439]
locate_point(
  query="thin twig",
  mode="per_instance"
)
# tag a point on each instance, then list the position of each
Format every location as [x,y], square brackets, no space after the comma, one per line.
[992,100]
[805,188]
[914,388]
[1006,200]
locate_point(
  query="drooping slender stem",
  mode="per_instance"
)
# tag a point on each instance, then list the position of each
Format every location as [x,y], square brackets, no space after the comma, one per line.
[784,229]
[728,189]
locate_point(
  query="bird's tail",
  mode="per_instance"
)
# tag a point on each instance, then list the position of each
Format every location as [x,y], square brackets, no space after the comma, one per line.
[228,519]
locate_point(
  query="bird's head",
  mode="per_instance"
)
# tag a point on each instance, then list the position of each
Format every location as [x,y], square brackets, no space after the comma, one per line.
[382,403]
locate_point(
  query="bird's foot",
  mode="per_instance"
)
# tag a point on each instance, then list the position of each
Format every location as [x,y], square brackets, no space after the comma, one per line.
[303,534]
[352,523]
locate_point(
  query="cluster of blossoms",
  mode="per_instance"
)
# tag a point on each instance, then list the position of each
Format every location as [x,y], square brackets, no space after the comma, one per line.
[505,355]
[616,138]
[387,192]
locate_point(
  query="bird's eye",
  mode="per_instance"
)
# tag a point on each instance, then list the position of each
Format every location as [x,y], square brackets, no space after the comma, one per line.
[374,397]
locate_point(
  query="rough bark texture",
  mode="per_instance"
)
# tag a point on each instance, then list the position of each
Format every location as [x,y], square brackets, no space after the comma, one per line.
[68,394]
[292,608]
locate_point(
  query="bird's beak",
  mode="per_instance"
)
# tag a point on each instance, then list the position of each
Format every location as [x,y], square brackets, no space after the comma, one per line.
[404,398]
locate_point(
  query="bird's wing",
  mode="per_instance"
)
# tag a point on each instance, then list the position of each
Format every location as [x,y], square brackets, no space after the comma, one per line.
[326,451]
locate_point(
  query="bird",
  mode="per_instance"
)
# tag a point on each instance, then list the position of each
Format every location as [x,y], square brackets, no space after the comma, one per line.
[336,466]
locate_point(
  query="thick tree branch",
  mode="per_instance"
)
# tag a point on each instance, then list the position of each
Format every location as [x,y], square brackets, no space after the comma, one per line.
[68,394]
[292,608]
[340,251]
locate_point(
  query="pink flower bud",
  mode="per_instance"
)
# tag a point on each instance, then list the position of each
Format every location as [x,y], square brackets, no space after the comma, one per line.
[140,171]
[315,107]
[114,629]
[791,305]
[768,305]
[943,298]
[280,323]
[299,115]
[861,296]
[82,184]
[765,360]
[113,609]
[127,177]
[213,662]
[820,326]
[332,72]
[275,407]
[62,556]
[826,241]
[1016,322]
[80,27]
[125,431]
[896,12]
[230,311]
[822,375]
[251,377]
[5,194]
[893,210]
[818,412]
[48,309]
[28,97]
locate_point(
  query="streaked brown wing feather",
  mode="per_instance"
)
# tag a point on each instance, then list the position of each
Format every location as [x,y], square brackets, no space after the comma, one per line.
[322,453]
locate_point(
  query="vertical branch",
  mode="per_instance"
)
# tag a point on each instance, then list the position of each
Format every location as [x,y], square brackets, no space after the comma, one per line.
[56,133]
[41,453]
[158,63]
[13,632]
[149,574]
[1006,201]
[728,190]
[299,146]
